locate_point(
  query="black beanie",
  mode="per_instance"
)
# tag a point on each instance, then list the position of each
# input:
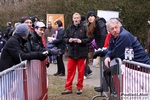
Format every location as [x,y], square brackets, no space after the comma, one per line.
[91,13]
[34,19]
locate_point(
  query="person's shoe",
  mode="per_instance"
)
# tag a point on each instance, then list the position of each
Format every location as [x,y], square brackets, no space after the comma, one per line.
[56,74]
[50,61]
[54,62]
[89,74]
[114,94]
[98,89]
[79,91]
[61,74]
[85,77]
[66,91]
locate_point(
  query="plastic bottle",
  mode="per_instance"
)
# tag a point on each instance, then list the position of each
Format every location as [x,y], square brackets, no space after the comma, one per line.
[126,53]
[131,54]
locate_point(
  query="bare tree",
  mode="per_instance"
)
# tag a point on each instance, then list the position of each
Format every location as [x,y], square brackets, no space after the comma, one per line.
[10,2]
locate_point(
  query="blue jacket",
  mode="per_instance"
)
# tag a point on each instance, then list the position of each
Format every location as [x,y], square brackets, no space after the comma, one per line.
[58,42]
[126,39]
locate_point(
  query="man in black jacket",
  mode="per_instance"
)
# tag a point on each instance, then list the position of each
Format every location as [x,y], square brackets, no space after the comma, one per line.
[14,50]
[9,31]
[76,37]
[36,40]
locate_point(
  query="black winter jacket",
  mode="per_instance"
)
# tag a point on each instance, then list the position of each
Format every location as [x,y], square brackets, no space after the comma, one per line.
[36,42]
[100,32]
[77,50]
[14,52]
[8,31]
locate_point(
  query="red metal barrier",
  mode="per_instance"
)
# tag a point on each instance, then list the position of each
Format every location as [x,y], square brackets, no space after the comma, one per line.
[117,84]
[36,80]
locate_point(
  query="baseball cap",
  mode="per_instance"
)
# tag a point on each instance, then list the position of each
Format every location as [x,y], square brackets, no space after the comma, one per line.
[40,24]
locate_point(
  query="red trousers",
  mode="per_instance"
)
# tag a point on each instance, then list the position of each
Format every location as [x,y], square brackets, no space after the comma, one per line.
[71,70]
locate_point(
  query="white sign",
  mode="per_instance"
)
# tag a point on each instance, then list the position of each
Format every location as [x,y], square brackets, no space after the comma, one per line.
[107,14]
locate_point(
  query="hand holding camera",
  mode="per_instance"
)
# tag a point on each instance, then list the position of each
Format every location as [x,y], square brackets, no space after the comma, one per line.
[77,40]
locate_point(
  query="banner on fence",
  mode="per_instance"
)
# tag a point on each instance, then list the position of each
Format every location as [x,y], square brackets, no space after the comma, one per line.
[135,84]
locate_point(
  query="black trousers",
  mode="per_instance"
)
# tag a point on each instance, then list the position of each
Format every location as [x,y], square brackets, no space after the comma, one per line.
[60,64]
[87,68]
[104,83]
[113,70]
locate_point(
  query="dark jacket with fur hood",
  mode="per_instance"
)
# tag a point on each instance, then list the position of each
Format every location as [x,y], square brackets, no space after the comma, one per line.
[100,32]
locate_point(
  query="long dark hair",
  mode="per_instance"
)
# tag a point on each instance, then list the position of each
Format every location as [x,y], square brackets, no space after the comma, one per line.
[90,28]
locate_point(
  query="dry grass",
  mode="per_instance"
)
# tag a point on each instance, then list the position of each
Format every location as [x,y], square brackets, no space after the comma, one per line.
[56,86]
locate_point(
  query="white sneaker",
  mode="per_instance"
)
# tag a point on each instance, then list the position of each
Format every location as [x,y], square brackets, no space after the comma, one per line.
[85,77]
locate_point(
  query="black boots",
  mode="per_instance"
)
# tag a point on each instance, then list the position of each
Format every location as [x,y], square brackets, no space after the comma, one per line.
[101,89]
[98,89]
[56,74]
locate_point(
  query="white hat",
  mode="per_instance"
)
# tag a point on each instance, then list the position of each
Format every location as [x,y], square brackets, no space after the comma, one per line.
[40,24]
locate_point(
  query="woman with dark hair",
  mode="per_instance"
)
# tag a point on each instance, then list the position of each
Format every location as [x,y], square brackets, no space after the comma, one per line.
[59,43]
[96,28]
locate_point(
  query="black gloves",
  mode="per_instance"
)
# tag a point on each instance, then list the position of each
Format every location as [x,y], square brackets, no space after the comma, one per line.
[99,53]
[54,51]
[39,56]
